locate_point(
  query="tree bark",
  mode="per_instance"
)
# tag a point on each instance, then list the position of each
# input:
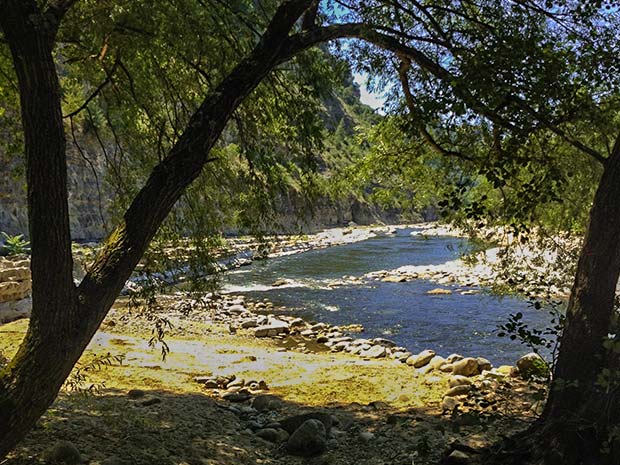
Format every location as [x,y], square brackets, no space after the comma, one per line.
[580,411]
[64,318]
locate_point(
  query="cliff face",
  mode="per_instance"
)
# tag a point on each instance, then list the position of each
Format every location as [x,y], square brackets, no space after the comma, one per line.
[88,196]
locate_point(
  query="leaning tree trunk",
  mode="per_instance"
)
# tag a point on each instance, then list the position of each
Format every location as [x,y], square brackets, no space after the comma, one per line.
[583,405]
[64,318]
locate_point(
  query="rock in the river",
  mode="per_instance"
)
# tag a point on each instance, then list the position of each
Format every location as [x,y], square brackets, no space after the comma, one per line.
[422,359]
[279,282]
[439,291]
[394,279]
[374,352]
[466,367]
[63,452]
[309,440]
[531,365]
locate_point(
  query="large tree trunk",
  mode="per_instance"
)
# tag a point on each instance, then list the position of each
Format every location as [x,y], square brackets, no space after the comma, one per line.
[583,405]
[64,318]
[577,426]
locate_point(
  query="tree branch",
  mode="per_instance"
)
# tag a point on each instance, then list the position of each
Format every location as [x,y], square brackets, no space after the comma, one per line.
[410,101]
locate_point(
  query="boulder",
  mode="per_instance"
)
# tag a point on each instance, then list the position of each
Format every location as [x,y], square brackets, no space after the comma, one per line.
[460,390]
[459,380]
[483,364]
[466,367]
[422,359]
[532,365]
[273,328]
[309,440]
[448,404]
[374,352]
[290,424]
[266,402]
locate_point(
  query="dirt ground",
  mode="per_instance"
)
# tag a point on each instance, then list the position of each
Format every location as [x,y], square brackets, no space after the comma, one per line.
[385,412]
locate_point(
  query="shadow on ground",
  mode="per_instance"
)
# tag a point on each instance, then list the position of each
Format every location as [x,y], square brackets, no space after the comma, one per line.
[163,428]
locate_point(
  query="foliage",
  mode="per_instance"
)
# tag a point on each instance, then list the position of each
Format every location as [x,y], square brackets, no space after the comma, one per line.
[15,245]
[78,381]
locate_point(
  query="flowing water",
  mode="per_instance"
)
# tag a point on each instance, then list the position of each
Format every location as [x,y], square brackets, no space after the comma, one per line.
[402,312]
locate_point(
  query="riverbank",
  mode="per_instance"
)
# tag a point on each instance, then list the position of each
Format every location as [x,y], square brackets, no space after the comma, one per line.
[227,395]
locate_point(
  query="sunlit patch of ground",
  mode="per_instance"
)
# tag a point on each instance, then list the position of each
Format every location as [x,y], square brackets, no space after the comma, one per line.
[190,427]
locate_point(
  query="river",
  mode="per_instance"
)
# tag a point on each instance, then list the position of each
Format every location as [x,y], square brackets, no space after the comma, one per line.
[402,312]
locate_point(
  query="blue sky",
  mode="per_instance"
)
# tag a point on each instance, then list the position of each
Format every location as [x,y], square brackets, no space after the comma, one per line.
[372,99]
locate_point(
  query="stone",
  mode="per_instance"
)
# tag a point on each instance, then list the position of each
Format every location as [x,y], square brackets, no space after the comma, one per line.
[290,424]
[135,393]
[491,374]
[268,434]
[239,382]
[240,396]
[454,358]
[374,352]
[459,380]
[531,365]
[309,440]
[466,367]
[439,291]
[266,402]
[483,364]
[237,309]
[384,342]
[279,282]
[457,457]
[448,404]
[273,328]
[394,279]
[460,390]
[247,324]
[63,452]
[422,359]
[367,436]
